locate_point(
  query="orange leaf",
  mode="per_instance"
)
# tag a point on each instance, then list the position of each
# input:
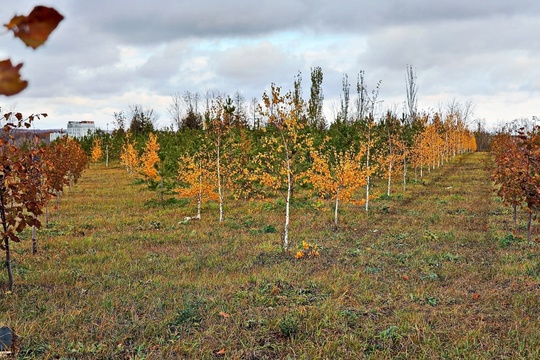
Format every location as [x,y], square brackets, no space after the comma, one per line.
[10,79]
[476,296]
[224,314]
[35,28]
[405,277]
[220,352]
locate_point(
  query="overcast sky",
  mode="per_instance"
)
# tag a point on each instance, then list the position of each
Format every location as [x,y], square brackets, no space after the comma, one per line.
[109,54]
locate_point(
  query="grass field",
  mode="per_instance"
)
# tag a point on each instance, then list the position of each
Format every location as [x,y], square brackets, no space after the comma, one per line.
[437,272]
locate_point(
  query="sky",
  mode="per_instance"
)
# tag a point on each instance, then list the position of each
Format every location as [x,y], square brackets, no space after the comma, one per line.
[109,55]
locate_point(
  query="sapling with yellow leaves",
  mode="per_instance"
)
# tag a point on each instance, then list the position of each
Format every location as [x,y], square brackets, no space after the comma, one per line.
[338,175]
[150,163]
[196,179]
[97,152]
[284,149]
[129,157]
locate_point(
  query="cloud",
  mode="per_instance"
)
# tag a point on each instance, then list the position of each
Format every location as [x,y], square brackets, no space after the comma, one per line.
[106,55]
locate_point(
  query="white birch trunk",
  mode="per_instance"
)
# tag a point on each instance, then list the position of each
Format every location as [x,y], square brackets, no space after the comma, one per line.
[368,170]
[390,163]
[287,206]
[220,194]
[199,199]
[389,180]
[336,210]
[404,174]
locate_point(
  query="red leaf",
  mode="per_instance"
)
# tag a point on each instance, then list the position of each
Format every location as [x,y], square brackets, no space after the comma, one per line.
[10,78]
[35,28]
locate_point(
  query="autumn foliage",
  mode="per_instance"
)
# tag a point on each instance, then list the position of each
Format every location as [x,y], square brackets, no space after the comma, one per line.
[150,159]
[33,30]
[337,175]
[30,177]
[517,170]
[129,157]
[97,152]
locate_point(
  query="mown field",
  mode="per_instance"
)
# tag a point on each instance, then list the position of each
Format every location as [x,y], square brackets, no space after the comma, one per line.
[437,272]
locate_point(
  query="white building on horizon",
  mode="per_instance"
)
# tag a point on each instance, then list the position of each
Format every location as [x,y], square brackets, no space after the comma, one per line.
[75,129]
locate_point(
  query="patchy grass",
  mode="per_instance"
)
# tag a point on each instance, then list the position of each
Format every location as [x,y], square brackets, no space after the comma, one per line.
[437,272]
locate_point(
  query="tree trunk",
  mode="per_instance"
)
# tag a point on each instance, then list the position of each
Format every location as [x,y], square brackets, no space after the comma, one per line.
[367,169]
[106,155]
[529,226]
[389,179]
[218,170]
[336,212]
[199,199]
[287,206]
[404,174]
[390,163]
[47,215]
[8,263]
[6,243]
[34,240]
[161,189]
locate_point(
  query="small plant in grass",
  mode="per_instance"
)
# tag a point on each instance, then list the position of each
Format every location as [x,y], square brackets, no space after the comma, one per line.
[534,270]
[307,250]
[189,316]
[391,332]
[288,326]
[508,240]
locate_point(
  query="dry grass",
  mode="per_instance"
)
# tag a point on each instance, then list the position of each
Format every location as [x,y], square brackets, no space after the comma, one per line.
[432,273]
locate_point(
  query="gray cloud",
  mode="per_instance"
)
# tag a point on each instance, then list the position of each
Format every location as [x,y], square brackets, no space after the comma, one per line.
[110,53]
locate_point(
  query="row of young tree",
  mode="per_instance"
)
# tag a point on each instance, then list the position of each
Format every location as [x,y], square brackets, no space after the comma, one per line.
[517,169]
[287,151]
[31,175]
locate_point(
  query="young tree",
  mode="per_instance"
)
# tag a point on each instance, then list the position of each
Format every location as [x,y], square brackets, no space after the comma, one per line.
[218,124]
[175,110]
[508,159]
[142,121]
[96,152]
[337,174]
[344,111]
[284,150]
[370,124]
[362,97]
[129,157]
[150,163]
[412,90]
[22,191]
[196,179]
[315,104]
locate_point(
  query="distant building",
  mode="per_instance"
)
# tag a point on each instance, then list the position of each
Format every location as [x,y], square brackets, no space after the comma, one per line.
[76,129]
